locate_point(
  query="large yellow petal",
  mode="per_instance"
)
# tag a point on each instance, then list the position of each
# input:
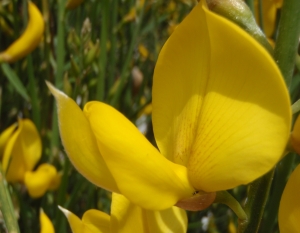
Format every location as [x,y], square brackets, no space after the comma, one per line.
[289,209]
[39,181]
[80,143]
[46,224]
[142,174]
[220,106]
[93,221]
[22,151]
[126,216]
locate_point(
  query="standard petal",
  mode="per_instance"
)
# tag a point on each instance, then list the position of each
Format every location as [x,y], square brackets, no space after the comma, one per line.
[220,105]
[39,181]
[126,216]
[289,209]
[142,174]
[80,143]
[22,152]
[46,224]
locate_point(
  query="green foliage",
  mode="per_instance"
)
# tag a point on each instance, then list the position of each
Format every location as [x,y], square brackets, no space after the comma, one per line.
[97,51]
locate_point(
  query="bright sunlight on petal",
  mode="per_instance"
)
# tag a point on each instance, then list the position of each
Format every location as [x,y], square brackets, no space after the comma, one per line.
[223,113]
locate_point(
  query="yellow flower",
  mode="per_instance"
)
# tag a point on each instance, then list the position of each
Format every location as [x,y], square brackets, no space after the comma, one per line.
[46,224]
[30,38]
[289,209]
[126,216]
[221,118]
[20,150]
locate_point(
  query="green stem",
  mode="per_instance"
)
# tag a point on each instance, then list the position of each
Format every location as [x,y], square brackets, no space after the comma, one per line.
[223,197]
[33,95]
[103,51]
[6,207]
[256,202]
[288,36]
[60,57]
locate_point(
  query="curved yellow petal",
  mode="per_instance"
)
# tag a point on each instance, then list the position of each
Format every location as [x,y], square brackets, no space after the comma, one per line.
[142,174]
[46,224]
[75,222]
[289,209]
[39,181]
[22,152]
[220,105]
[80,143]
[30,38]
[5,136]
[126,216]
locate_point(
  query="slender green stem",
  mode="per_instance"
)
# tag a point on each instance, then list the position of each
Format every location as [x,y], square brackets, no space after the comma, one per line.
[6,207]
[223,197]
[288,36]
[103,51]
[60,56]
[33,94]
[256,202]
